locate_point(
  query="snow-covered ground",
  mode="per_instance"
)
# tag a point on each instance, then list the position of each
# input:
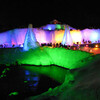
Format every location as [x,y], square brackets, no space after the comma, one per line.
[80,84]
[45,56]
[82,79]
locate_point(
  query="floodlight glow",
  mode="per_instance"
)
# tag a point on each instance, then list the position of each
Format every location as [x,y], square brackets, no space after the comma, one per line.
[49,28]
[96,46]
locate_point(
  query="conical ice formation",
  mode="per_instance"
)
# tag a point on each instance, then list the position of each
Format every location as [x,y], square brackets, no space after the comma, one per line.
[30,41]
[67,39]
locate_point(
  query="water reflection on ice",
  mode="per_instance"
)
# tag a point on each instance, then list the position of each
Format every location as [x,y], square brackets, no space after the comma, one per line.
[32,80]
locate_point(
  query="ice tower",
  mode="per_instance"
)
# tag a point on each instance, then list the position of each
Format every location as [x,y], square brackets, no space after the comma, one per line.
[30,41]
[67,39]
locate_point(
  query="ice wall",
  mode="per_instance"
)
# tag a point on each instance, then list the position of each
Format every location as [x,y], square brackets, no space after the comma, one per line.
[58,35]
[17,36]
[5,37]
[91,34]
[13,37]
[47,36]
[76,36]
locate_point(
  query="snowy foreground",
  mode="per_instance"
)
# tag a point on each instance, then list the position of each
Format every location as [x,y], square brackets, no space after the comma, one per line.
[82,79]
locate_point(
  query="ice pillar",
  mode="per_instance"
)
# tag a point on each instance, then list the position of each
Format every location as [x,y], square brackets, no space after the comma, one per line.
[67,39]
[30,41]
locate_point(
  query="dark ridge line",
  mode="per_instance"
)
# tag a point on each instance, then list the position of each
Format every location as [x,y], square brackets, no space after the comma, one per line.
[33,65]
[43,65]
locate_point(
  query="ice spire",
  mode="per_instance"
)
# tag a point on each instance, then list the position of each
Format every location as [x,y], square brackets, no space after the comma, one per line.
[30,41]
[67,39]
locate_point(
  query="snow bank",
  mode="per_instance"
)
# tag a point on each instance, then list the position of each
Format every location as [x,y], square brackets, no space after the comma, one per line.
[45,56]
[80,84]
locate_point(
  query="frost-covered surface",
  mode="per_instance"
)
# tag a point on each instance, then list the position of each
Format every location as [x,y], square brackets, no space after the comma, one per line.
[45,56]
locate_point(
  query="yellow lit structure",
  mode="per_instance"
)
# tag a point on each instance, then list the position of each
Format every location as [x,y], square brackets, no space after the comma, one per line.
[76,36]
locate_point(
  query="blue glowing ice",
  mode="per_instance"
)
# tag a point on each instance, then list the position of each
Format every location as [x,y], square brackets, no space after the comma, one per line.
[27,72]
[35,78]
[67,39]
[35,84]
[49,27]
[94,36]
[30,41]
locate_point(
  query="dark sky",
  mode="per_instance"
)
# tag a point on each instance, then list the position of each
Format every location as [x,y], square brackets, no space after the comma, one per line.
[77,14]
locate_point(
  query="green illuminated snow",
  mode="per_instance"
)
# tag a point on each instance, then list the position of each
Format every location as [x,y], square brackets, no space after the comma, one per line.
[46,56]
[80,82]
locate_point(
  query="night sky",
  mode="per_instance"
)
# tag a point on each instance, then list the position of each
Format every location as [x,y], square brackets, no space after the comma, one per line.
[79,15]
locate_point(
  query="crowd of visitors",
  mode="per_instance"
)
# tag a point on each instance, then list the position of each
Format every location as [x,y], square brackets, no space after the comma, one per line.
[75,46]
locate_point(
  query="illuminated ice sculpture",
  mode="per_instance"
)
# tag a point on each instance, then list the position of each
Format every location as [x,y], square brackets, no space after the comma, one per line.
[50,33]
[67,39]
[30,41]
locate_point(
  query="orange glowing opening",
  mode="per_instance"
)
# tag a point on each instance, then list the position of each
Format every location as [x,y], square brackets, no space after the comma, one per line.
[96,46]
[86,45]
[74,48]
